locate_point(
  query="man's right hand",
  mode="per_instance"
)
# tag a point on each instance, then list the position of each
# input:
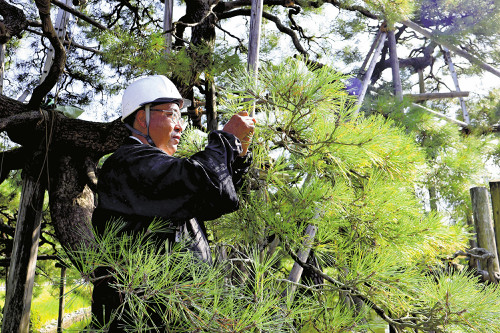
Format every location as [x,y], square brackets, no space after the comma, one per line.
[242,126]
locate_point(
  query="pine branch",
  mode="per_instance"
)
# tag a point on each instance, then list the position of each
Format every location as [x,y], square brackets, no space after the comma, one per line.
[399,323]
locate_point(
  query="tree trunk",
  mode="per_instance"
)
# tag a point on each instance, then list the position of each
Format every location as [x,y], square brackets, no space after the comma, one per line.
[23,262]
[71,201]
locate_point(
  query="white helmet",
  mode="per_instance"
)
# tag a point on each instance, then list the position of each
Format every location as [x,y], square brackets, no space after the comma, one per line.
[150,89]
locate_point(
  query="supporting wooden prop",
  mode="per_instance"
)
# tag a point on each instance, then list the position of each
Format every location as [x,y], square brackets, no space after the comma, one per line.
[440,115]
[2,65]
[396,78]
[372,48]
[303,254]
[484,222]
[254,41]
[421,83]
[210,105]
[447,57]
[371,67]
[62,285]
[495,205]
[428,96]
[167,24]
[21,277]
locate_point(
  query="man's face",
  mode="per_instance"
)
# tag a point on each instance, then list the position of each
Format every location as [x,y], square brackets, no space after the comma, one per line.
[165,126]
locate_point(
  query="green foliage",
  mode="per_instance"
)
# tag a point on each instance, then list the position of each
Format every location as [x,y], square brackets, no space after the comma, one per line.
[352,177]
[455,161]
[35,322]
[392,10]
[187,294]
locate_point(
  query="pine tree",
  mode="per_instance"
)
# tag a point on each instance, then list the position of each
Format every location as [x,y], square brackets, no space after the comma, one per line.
[353,178]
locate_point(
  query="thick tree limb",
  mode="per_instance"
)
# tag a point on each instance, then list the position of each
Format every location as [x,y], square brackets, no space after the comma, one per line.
[13,23]
[59,55]
[20,119]
[95,138]
[452,47]
[11,160]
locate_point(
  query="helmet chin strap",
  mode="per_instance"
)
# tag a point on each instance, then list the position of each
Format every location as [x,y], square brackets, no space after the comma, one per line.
[136,131]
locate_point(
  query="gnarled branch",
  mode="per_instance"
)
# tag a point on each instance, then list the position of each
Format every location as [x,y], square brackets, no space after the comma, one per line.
[59,55]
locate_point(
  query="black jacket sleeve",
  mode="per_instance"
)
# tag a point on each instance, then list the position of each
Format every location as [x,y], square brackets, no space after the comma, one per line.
[140,180]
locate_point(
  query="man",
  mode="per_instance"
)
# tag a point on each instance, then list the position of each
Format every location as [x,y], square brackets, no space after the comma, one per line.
[142,181]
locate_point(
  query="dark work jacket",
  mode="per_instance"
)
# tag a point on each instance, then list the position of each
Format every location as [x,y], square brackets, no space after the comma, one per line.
[139,183]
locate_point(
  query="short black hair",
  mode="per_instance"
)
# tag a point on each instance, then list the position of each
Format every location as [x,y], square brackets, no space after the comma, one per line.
[129,120]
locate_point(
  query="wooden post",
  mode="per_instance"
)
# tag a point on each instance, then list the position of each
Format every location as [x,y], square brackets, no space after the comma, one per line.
[495,205]
[484,222]
[396,78]
[441,115]
[23,261]
[421,83]
[369,54]
[210,103]
[62,284]
[303,254]
[2,66]
[447,56]
[167,24]
[370,69]
[254,41]
[427,96]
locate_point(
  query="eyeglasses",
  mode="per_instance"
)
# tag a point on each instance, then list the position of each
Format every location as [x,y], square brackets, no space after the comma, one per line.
[175,116]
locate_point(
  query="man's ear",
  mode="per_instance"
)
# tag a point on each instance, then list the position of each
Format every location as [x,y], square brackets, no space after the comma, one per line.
[140,119]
